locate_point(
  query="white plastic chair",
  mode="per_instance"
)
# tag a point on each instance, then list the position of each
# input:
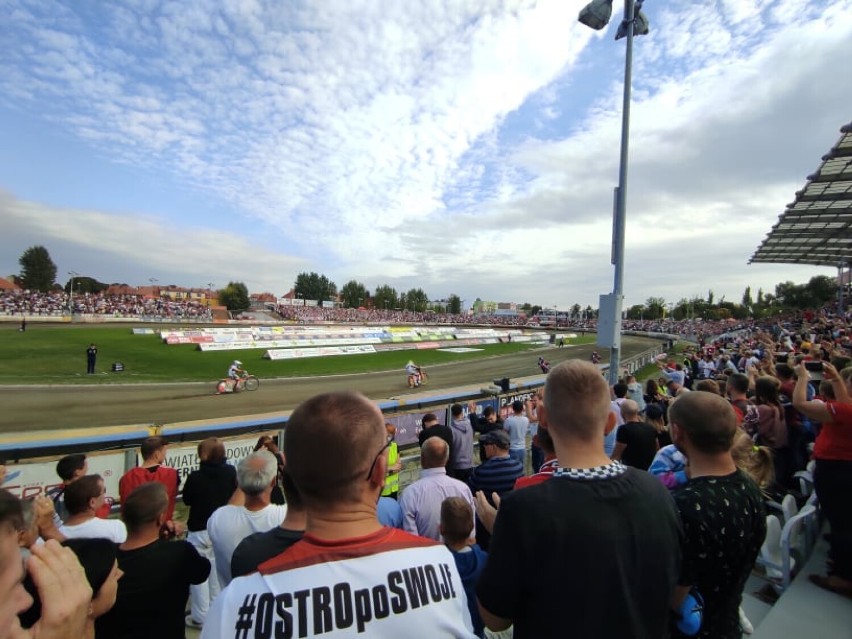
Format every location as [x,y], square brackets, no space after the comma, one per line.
[806,479]
[776,552]
[787,508]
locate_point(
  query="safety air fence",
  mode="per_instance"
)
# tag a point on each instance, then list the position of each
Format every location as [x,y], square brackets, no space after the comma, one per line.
[31,457]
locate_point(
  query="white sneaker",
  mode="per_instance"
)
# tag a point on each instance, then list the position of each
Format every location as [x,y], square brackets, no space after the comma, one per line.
[745,624]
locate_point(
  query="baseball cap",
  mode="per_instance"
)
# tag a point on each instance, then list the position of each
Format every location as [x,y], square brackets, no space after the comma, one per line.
[497,437]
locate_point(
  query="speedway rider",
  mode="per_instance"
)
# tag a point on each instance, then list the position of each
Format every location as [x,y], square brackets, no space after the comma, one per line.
[235,372]
[415,375]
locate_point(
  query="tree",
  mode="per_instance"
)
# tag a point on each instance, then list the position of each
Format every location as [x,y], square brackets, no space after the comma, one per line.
[313,286]
[535,310]
[85,285]
[822,289]
[747,301]
[234,297]
[575,310]
[354,294]
[654,307]
[454,304]
[415,300]
[385,297]
[38,272]
[635,312]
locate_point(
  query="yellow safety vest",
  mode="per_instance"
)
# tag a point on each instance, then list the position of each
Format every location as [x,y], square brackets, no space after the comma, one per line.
[392,480]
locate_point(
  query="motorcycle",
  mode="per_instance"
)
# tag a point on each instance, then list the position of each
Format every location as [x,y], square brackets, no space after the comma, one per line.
[245,382]
[417,377]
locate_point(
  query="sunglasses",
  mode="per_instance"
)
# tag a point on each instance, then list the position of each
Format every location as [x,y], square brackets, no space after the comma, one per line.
[376,458]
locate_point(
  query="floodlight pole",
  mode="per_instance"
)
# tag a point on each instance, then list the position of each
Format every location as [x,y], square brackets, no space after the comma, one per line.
[620,210]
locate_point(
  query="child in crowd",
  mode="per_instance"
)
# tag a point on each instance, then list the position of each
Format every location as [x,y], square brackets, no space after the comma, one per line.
[456,527]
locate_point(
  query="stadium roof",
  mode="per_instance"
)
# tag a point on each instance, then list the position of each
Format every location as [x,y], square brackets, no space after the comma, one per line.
[817,227]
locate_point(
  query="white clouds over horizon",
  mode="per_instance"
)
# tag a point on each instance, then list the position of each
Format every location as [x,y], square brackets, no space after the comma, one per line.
[369,140]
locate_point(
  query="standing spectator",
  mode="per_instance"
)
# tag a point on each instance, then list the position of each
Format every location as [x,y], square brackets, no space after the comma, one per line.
[488,421]
[517,426]
[634,392]
[421,501]
[531,411]
[619,391]
[157,572]
[265,442]
[83,499]
[578,519]
[768,426]
[456,526]
[548,467]
[261,546]
[722,513]
[391,488]
[206,489]
[70,468]
[431,428]
[636,441]
[497,474]
[461,458]
[257,474]
[655,417]
[91,358]
[336,453]
[833,472]
[153,451]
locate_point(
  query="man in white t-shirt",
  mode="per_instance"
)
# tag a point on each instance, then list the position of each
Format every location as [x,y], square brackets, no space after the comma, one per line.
[517,426]
[257,474]
[349,575]
[83,498]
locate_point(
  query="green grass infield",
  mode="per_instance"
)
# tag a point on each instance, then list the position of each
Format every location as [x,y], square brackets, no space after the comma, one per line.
[57,355]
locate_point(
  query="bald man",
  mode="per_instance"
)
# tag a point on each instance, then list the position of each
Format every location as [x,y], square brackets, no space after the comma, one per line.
[608,533]
[349,574]
[421,501]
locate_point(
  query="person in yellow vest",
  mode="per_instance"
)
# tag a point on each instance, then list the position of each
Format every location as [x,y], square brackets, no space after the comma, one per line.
[391,488]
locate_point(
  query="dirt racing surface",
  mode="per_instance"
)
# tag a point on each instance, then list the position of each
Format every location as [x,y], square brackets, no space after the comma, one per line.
[58,407]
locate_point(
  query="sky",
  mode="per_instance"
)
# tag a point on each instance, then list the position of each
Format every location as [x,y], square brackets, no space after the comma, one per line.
[465,147]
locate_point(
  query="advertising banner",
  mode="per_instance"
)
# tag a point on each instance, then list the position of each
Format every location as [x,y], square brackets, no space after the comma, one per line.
[184,458]
[34,479]
[409,425]
[325,351]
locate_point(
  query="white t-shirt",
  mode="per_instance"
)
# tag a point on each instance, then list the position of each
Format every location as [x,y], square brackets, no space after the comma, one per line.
[386,584]
[95,528]
[229,525]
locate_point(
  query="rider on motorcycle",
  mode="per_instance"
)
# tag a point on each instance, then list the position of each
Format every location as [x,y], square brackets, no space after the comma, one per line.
[416,376]
[235,372]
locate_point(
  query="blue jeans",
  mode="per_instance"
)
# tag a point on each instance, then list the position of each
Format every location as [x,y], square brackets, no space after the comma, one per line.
[518,454]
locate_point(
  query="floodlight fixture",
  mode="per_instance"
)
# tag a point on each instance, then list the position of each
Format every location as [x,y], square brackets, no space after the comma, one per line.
[596,14]
[640,23]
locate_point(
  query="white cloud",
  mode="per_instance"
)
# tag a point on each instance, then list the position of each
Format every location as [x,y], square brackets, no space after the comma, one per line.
[368,135]
[130,249]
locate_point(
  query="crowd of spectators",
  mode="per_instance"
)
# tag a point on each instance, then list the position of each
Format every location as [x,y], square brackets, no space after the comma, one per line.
[57,304]
[678,503]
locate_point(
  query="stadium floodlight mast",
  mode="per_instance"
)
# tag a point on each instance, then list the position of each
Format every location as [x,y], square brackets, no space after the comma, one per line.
[73,274]
[596,15]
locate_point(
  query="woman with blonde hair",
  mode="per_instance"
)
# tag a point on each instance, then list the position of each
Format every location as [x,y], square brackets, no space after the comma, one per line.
[755,461]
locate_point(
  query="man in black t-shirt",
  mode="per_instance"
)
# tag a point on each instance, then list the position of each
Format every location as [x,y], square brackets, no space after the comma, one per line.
[722,512]
[608,535]
[635,440]
[431,428]
[153,591]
